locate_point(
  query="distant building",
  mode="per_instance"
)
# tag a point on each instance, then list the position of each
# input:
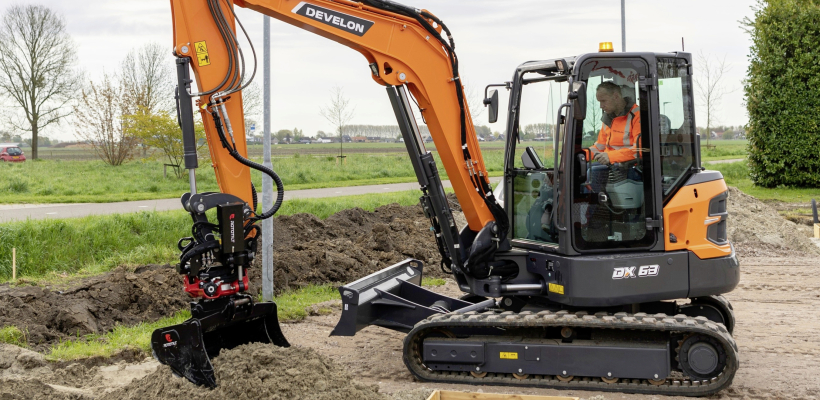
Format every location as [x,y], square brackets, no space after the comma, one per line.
[304,141]
[359,139]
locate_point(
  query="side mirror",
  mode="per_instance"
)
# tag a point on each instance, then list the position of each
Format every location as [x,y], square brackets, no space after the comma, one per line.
[530,159]
[492,101]
[579,100]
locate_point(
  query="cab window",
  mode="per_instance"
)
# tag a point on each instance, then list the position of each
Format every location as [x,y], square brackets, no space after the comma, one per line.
[611,187]
[676,125]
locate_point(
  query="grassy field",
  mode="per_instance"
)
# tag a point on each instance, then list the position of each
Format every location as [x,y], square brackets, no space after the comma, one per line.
[737,174]
[53,249]
[67,181]
[55,181]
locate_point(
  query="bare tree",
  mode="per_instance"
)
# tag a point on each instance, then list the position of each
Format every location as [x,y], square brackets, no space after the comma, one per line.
[146,78]
[100,120]
[475,101]
[37,68]
[338,112]
[710,90]
[251,105]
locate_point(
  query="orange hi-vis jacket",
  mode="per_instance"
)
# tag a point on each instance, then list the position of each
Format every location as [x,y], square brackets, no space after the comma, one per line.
[619,141]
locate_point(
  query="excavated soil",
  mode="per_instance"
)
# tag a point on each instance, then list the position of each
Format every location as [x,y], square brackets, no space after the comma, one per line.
[344,247]
[756,229]
[347,245]
[257,371]
[95,306]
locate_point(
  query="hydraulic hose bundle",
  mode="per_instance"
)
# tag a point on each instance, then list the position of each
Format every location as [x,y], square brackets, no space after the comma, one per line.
[234,81]
[501,227]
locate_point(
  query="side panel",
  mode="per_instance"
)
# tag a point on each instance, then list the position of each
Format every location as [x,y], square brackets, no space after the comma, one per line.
[686,217]
[601,281]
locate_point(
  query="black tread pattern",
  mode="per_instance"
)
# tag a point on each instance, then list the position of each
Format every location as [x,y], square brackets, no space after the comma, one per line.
[677,324]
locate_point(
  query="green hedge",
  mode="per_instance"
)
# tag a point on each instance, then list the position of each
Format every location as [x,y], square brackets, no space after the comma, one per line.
[783,94]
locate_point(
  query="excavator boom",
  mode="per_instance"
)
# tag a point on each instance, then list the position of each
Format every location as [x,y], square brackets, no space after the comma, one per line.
[399,50]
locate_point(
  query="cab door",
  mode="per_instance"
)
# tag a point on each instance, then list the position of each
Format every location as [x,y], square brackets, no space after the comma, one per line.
[612,202]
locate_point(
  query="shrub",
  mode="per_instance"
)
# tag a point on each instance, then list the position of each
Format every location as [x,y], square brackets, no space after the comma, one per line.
[783,94]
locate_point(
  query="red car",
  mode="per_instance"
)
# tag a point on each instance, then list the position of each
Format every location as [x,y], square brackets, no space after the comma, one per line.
[11,152]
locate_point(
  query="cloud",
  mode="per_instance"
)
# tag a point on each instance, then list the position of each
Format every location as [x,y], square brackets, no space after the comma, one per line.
[492,38]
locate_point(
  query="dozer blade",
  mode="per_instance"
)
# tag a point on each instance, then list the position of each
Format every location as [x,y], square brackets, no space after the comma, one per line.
[188,347]
[391,298]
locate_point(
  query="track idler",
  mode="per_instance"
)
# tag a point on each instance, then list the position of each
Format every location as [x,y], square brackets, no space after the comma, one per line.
[215,325]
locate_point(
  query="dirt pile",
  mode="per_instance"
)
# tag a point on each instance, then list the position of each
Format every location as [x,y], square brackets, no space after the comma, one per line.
[347,245]
[257,371]
[94,306]
[344,247]
[21,371]
[757,229]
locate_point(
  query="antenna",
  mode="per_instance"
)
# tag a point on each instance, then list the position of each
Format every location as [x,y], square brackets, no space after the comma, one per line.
[681,44]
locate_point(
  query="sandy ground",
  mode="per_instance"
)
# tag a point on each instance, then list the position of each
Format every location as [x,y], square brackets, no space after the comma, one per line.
[777,329]
[776,306]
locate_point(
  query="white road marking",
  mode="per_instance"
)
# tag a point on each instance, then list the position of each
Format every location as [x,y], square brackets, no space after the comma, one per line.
[51,213]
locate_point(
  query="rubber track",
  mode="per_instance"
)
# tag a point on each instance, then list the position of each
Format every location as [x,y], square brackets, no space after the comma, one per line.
[640,322]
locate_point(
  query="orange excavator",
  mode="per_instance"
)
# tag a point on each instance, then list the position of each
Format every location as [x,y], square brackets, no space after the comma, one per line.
[601,267]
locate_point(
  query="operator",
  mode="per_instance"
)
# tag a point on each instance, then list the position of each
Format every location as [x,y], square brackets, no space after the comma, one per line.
[617,143]
[621,127]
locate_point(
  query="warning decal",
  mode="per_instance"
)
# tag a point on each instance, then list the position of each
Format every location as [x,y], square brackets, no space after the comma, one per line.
[556,288]
[508,356]
[202,57]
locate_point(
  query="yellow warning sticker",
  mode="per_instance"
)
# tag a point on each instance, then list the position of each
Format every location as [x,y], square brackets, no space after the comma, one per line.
[202,57]
[555,288]
[509,356]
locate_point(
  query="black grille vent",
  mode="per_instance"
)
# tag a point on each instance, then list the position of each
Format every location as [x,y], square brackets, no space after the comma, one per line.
[716,233]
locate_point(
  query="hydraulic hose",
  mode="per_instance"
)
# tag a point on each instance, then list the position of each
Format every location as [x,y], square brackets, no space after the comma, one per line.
[280,189]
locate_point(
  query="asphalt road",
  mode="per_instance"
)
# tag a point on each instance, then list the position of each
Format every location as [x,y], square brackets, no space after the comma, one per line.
[21,212]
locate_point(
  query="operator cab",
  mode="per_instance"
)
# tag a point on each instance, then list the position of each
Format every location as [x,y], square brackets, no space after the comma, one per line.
[594,203]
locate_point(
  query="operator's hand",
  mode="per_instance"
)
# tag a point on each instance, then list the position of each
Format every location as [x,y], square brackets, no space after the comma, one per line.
[602,158]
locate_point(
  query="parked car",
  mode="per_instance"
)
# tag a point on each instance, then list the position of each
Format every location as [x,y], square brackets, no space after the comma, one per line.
[11,152]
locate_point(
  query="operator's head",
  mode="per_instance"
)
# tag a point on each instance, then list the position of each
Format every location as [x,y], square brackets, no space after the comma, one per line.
[609,95]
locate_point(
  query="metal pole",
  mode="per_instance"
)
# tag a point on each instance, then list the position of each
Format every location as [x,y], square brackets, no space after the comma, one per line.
[623,25]
[267,182]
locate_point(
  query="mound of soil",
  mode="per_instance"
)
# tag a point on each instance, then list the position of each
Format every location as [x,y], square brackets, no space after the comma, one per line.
[95,306]
[347,246]
[757,229]
[256,371]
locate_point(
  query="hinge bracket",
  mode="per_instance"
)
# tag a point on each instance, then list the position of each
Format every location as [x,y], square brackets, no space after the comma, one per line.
[654,223]
[647,82]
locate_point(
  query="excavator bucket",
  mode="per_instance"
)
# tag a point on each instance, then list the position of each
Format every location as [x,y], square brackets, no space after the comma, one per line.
[188,347]
[391,298]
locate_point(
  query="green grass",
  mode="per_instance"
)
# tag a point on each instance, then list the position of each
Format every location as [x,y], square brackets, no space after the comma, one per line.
[724,150]
[108,344]
[291,307]
[56,181]
[11,334]
[53,249]
[737,174]
[432,282]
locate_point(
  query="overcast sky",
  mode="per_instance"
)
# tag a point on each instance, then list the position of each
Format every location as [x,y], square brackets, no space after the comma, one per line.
[492,38]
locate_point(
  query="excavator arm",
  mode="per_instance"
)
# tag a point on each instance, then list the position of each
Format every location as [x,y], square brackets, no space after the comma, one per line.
[401,50]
